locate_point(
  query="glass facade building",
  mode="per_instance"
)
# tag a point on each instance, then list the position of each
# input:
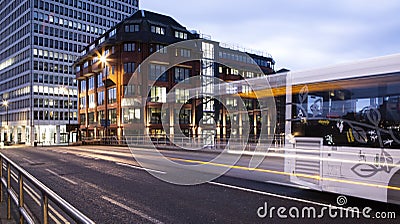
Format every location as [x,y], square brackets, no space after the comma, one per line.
[39,42]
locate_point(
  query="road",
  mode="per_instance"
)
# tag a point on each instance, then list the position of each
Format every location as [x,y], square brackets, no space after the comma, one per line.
[109,186]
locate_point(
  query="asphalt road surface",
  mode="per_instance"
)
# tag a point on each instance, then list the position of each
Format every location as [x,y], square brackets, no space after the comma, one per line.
[109,186]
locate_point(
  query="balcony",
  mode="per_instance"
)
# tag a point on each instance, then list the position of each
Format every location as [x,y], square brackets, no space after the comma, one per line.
[87,71]
[79,75]
[97,67]
[110,79]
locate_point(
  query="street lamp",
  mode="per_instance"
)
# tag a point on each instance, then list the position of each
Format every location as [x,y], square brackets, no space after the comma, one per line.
[103,59]
[65,90]
[5,104]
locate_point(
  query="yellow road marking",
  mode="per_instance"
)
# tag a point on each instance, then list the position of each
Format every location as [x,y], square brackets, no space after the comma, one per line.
[316,177]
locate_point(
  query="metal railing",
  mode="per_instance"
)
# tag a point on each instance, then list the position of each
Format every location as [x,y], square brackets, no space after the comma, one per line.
[273,141]
[17,196]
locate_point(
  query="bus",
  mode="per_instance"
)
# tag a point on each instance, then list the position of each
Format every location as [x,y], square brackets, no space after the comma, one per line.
[343,129]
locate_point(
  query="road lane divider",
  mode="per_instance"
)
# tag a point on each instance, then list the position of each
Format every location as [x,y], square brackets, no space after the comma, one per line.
[132,210]
[141,168]
[28,160]
[64,178]
[274,195]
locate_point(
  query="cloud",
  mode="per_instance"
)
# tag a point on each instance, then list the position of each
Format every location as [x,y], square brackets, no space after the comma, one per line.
[299,34]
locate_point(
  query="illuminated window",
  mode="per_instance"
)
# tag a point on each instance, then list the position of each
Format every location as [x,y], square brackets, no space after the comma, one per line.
[182,95]
[82,103]
[131,115]
[112,95]
[154,115]
[112,116]
[158,94]
[100,98]
[183,116]
[100,80]
[91,83]
[92,103]
[158,30]
[83,86]
[181,35]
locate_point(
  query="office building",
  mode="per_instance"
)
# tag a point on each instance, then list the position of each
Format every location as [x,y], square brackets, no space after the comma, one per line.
[106,66]
[39,41]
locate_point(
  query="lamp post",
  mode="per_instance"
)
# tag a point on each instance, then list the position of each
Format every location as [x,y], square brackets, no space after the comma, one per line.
[66,90]
[5,104]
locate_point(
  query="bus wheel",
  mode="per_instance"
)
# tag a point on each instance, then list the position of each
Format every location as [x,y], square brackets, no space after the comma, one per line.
[393,196]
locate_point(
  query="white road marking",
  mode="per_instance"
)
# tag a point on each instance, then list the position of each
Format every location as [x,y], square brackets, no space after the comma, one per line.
[134,211]
[141,168]
[64,178]
[87,156]
[276,195]
[27,160]
[288,185]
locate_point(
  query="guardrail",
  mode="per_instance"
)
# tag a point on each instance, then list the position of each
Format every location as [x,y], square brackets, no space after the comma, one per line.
[274,141]
[17,196]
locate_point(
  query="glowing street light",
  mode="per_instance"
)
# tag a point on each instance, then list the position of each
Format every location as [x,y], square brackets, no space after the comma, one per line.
[103,59]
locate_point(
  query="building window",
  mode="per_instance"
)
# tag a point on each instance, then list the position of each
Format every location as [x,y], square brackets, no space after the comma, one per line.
[83,86]
[100,98]
[92,103]
[100,80]
[182,95]
[129,90]
[158,94]
[91,119]
[112,116]
[112,95]
[131,115]
[102,40]
[183,116]
[112,33]
[181,35]
[155,115]
[91,83]
[231,104]
[129,67]
[183,53]
[129,47]
[83,119]
[82,102]
[100,116]
[159,48]
[158,72]
[131,28]
[158,30]
[181,74]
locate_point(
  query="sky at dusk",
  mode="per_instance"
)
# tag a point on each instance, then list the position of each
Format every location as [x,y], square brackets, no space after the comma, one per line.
[299,34]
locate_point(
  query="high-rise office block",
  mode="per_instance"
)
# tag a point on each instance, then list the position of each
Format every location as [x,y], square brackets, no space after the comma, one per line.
[39,41]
